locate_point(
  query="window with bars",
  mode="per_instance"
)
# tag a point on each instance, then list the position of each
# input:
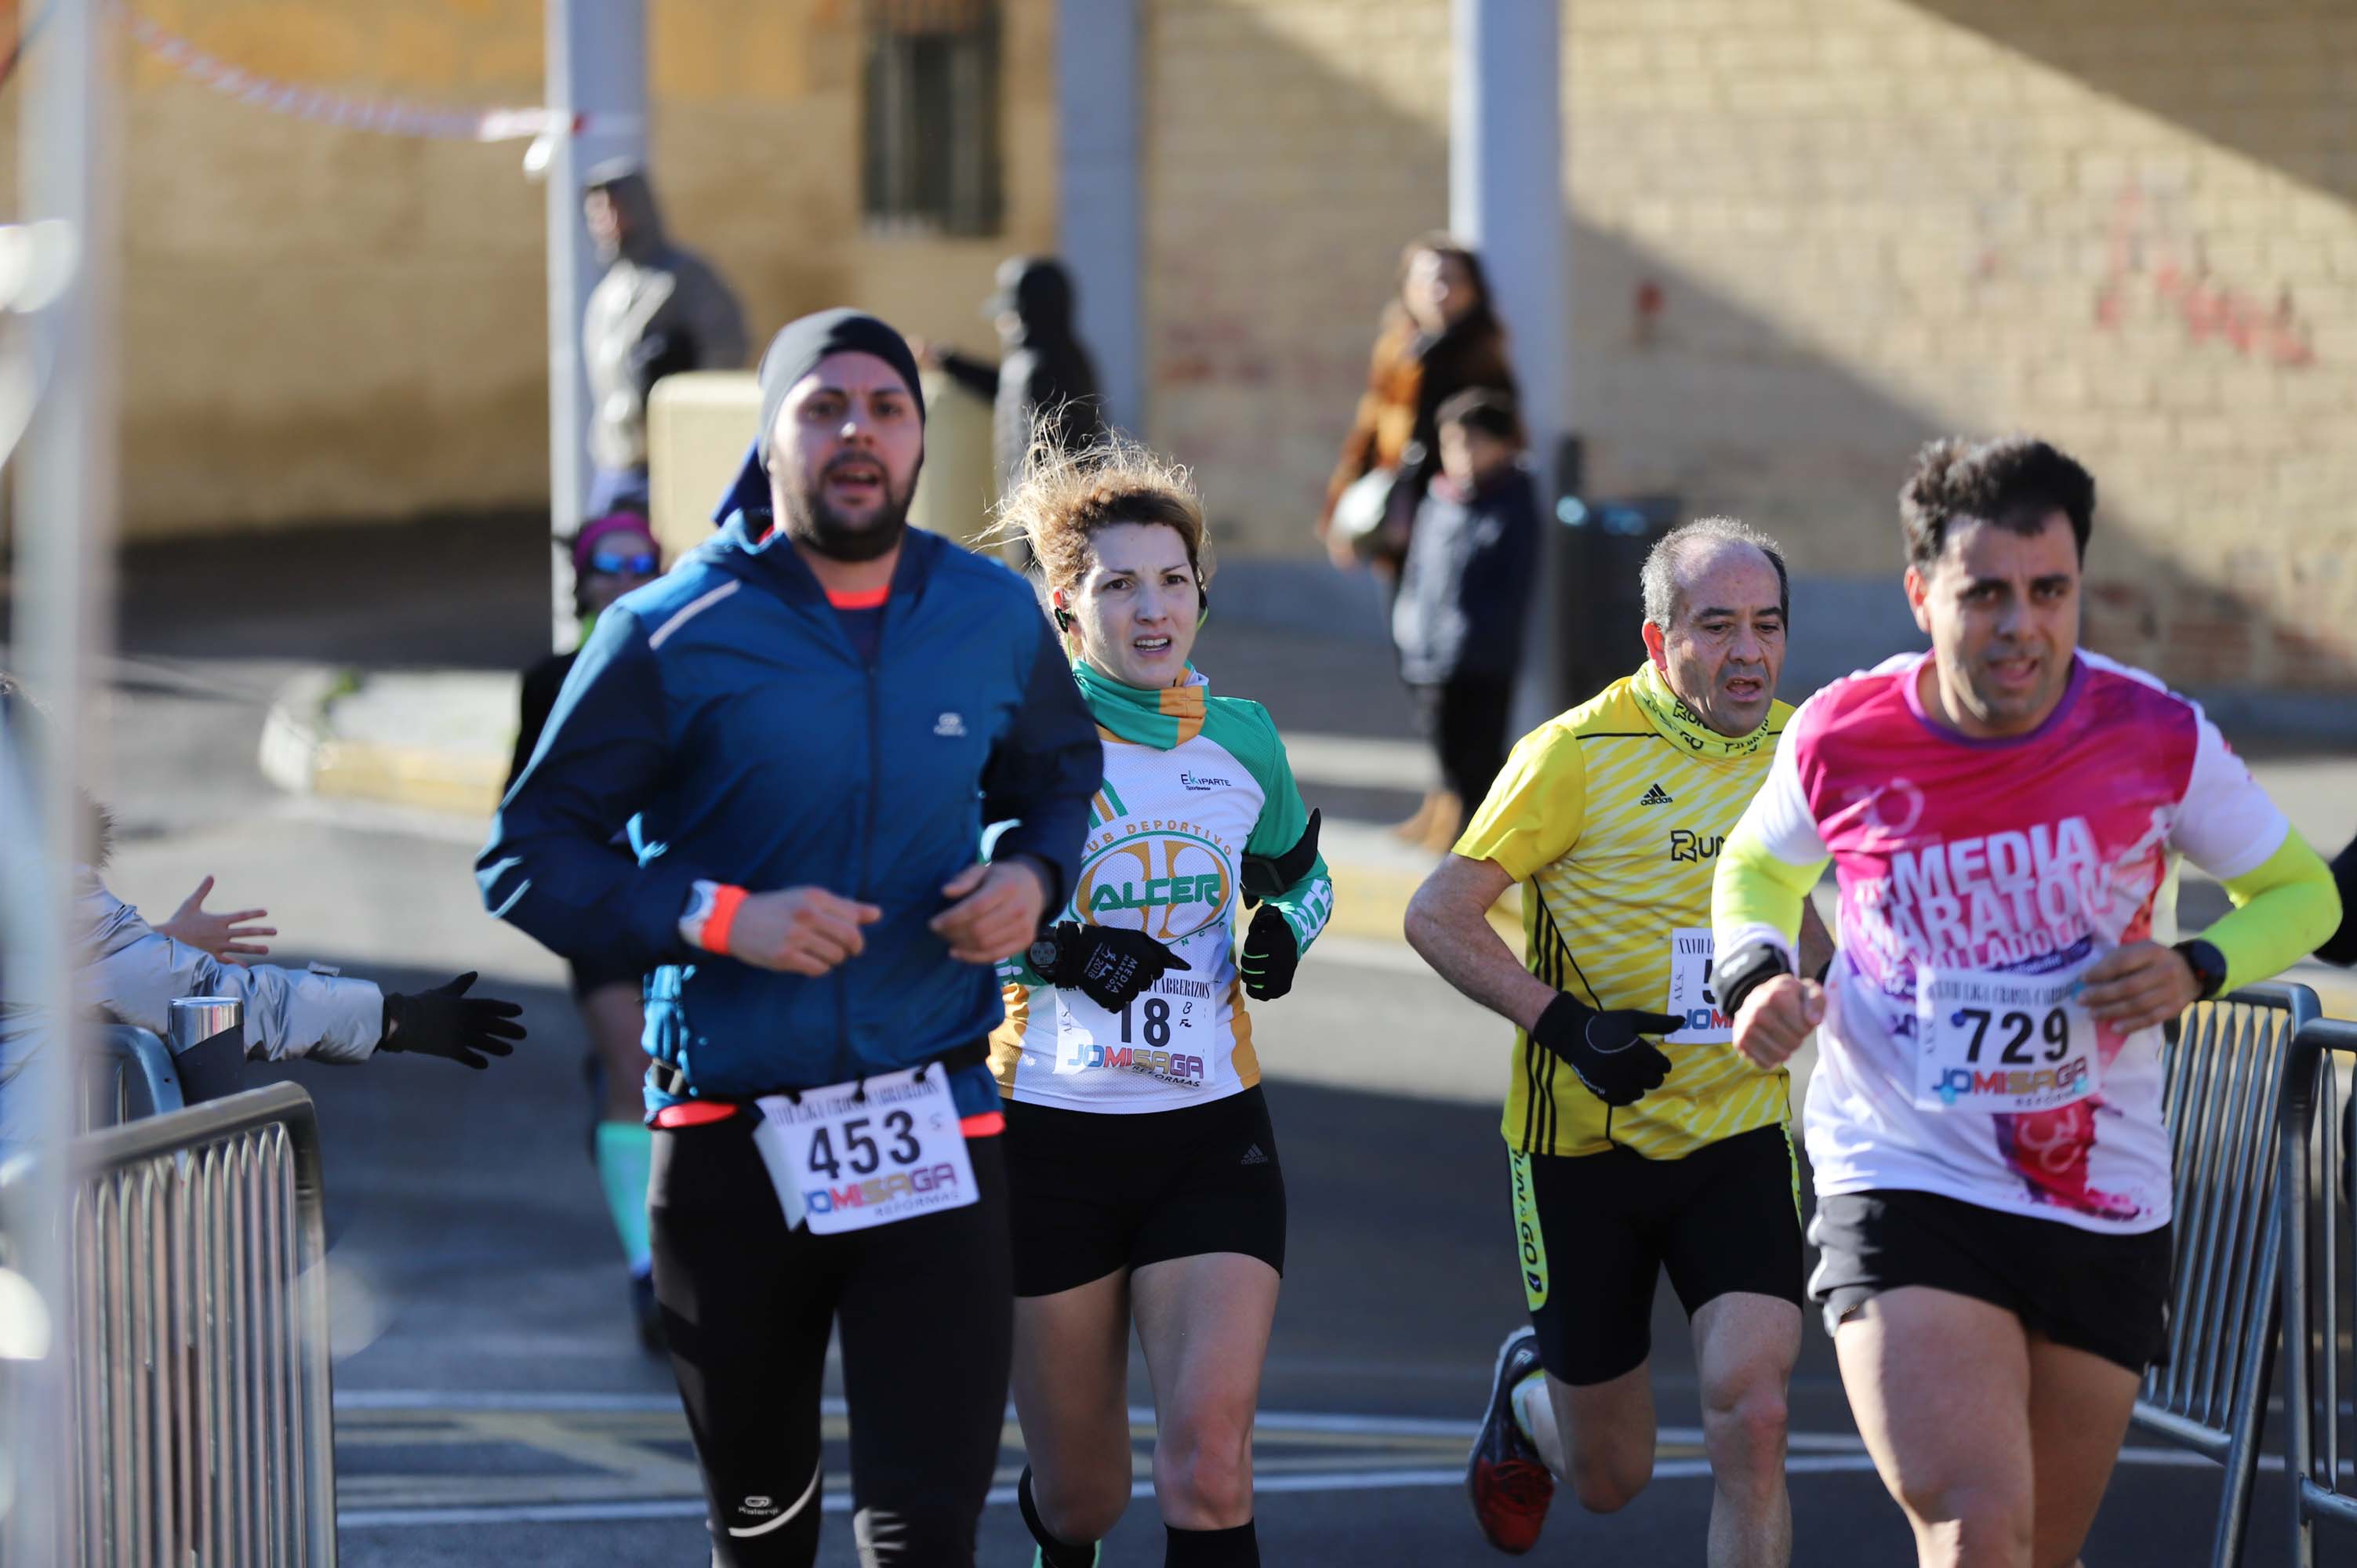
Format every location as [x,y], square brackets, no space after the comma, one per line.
[931,116]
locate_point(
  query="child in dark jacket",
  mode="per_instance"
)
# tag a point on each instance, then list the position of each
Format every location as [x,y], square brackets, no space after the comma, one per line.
[1464,597]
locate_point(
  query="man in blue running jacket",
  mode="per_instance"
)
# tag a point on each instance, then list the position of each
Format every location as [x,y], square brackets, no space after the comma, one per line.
[764,784]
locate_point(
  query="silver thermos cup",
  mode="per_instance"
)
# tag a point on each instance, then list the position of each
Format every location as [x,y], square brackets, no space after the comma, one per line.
[208,1046]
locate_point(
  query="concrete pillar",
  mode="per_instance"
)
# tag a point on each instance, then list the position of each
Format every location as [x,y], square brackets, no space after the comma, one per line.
[1100,228]
[598,67]
[1506,197]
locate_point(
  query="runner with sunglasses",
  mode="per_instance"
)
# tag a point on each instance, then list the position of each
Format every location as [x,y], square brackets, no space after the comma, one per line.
[1146,1178]
[611,555]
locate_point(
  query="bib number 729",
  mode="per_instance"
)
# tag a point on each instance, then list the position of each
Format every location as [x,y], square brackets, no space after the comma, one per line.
[2014,1028]
[860,1151]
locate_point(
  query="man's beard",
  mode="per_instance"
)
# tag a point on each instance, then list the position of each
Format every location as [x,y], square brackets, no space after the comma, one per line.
[810,522]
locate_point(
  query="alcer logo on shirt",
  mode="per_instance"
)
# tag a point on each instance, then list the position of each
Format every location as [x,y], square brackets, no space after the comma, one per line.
[1168,879]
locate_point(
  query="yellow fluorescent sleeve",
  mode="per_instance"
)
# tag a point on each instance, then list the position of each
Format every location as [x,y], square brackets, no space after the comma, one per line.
[2283,908]
[1754,887]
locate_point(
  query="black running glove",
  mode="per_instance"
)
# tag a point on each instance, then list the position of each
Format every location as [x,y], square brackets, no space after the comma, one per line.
[446,1022]
[1270,956]
[1112,965]
[1607,1049]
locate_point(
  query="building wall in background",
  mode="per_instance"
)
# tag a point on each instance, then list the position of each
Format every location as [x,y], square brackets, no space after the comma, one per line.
[322,324]
[1809,234]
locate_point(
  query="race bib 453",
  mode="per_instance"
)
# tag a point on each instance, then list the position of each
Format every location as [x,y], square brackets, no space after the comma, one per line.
[855,1156]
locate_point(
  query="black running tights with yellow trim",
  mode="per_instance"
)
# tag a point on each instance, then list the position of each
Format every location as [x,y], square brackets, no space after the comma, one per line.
[927,1314]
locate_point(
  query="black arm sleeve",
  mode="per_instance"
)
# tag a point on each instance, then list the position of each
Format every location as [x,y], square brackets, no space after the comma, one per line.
[2342,949]
[977,376]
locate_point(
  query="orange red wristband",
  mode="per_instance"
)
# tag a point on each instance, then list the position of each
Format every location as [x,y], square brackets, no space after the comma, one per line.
[725,901]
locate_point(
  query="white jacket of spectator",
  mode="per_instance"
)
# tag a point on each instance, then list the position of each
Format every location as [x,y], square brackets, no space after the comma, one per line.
[133,973]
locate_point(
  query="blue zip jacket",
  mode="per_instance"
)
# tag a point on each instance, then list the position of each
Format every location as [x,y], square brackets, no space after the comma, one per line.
[723,717]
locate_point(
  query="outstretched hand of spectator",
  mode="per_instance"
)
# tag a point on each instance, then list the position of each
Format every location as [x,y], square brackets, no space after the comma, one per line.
[446,1021]
[227,936]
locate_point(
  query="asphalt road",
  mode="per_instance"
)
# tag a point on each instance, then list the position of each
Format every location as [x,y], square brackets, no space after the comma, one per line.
[491,1404]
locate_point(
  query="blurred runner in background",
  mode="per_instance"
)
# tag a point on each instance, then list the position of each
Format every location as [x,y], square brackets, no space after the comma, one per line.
[611,555]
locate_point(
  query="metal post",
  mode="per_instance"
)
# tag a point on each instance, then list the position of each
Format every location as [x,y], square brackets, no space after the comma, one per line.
[1506,199]
[598,68]
[1099,225]
[62,571]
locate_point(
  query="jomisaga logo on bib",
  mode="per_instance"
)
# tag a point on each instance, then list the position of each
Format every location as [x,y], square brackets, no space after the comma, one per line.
[914,1190]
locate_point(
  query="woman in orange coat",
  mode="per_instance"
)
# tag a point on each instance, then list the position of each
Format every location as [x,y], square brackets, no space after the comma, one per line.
[1439,337]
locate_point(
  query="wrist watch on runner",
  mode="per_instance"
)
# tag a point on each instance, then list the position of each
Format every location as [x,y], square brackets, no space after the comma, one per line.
[1741,972]
[2208,965]
[1044,953]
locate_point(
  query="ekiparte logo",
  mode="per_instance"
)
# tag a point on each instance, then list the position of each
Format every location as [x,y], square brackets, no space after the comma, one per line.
[1203,784]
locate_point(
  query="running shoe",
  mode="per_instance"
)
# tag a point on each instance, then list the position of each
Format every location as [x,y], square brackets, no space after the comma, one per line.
[1505,1479]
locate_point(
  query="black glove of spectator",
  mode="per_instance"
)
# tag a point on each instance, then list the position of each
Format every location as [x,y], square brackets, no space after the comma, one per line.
[446,1022]
[1607,1049]
[1110,965]
[1270,956]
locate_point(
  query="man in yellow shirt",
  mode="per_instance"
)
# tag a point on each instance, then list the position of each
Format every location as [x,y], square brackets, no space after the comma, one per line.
[1629,1157]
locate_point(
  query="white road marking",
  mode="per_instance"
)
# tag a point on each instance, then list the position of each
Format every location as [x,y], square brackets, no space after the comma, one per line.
[1813,1454]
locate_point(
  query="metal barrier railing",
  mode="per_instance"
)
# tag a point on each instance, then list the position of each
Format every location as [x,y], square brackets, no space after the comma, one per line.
[2320,1305]
[201,1409]
[126,1076]
[2226,1077]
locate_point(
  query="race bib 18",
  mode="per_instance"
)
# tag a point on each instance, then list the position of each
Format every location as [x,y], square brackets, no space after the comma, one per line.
[2001,1042]
[852,1155]
[1691,996]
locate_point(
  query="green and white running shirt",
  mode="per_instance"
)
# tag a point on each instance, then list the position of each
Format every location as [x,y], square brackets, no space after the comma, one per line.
[1194,785]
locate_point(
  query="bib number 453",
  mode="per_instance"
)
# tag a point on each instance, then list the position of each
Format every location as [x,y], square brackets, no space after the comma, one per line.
[861,1152]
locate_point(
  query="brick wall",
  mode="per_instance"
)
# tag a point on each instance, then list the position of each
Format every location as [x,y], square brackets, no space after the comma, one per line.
[1809,233]
[322,324]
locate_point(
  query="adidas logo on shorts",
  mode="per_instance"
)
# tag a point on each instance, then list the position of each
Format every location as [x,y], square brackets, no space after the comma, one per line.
[1252,1156]
[1656,796]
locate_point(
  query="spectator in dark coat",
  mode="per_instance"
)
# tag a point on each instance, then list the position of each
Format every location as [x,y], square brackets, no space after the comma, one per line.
[1465,594]
[657,311]
[1439,338]
[1044,380]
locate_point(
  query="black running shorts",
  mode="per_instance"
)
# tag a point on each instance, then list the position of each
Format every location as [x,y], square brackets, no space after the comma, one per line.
[926,1321]
[2106,1295]
[1593,1234]
[1096,1192]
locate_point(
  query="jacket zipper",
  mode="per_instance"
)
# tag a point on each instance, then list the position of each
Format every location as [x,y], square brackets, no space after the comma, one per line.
[868,667]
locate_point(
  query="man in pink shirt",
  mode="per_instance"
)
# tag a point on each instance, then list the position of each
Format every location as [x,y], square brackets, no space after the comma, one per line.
[1992,1172]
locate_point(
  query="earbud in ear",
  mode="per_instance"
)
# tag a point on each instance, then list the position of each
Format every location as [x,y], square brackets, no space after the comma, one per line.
[1063,618]
[1203,599]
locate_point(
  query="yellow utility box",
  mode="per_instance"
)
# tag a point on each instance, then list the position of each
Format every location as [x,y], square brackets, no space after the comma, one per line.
[699,424]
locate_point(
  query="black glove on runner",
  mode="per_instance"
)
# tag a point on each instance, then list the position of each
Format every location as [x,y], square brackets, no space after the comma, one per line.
[446,1022]
[1110,965]
[1607,1049]
[1270,956]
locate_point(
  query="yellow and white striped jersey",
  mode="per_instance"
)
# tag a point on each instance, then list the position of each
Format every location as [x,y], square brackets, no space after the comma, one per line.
[1611,816]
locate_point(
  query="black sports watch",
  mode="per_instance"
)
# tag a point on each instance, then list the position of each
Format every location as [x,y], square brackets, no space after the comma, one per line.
[1740,973]
[2209,966]
[1045,951]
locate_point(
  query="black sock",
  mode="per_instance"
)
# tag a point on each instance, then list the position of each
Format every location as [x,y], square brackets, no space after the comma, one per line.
[1056,1554]
[1237,1548]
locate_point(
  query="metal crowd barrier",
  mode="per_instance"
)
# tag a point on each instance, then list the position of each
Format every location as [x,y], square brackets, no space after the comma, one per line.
[201,1415]
[2227,1076]
[2319,1305]
[127,1077]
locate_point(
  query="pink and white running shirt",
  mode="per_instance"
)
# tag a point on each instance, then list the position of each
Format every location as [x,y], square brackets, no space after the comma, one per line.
[1978,878]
